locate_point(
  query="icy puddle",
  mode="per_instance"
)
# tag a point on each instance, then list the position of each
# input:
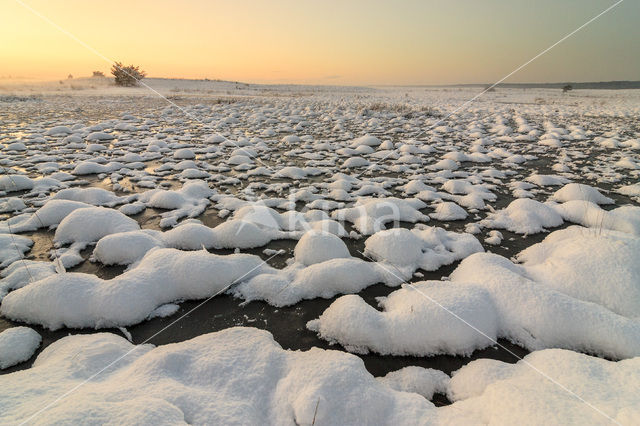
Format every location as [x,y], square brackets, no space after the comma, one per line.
[293,258]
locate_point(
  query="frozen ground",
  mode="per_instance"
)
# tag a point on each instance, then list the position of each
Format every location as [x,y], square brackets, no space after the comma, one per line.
[304,211]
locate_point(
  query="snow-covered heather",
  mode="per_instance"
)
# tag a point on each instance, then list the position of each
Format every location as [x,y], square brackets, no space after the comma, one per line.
[116,208]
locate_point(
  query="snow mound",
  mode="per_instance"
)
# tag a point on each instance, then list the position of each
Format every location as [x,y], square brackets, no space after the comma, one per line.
[12,183]
[632,190]
[324,279]
[370,215]
[525,396]
[367,140]
[610,277]
[316,247]
[19,274]
[578,191]
[17,344]
[12,248]
[128,247]
[93,196]
[488,297]
[547,180]
[238,375]
[92,223]
[524,216]
[424,247]
[423,381]
[449,211]
[91,167]
[79,300]
[411,325]
[623,219]
[49,215]
[11,204]
[125,248]
[189,201]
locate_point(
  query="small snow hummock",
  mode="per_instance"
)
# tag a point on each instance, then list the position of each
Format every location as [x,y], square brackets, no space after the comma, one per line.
[578,191]
[370,215]
[449,211]
[494,238]
[79,300]
[410,325]
[12,248]
[423,381]
[92,223]
[424,247]
[316,247]
[623,219]
[17,344]
[524,216]
[520,394]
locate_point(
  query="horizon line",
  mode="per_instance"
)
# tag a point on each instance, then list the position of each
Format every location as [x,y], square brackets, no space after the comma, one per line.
[284,83]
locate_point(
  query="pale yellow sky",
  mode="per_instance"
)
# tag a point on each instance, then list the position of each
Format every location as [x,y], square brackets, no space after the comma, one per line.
[326,42]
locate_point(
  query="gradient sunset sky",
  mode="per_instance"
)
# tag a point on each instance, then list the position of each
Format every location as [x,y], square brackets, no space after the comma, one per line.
[325,42]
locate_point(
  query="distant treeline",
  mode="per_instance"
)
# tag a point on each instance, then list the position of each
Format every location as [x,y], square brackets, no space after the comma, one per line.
[610,85]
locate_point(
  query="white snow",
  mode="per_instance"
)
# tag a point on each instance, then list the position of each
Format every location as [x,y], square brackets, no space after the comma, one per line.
[92,223]
[370,215]
[317,247]
[488,297]
[51,214]
[78,300]
[424,247]
[624,219]
[311,176]
[423,381]
[577,191]
[12,248]
[93,196]
[238,376]
[411,325]
[17,344]
[524,216]
[547,387]
[448,211]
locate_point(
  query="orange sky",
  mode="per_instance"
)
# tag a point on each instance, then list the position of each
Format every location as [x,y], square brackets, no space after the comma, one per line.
[328,42]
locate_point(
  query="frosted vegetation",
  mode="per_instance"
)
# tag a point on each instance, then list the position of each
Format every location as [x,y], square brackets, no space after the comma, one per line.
[369,227]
